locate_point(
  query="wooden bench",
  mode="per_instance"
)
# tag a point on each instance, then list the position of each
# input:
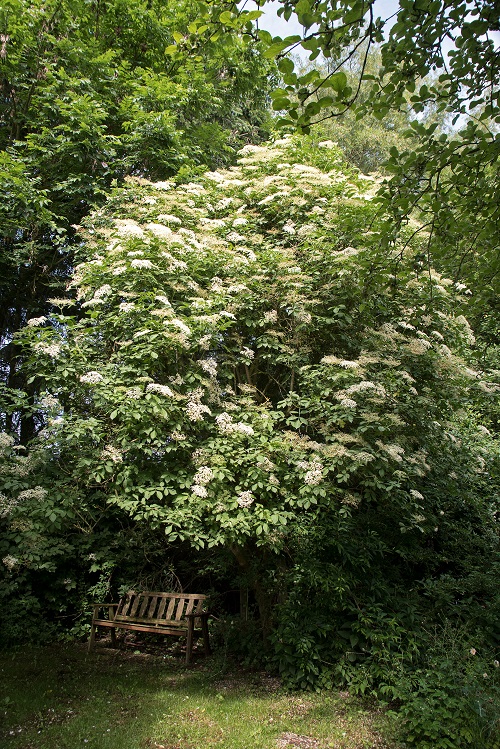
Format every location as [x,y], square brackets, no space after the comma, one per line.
[159,613]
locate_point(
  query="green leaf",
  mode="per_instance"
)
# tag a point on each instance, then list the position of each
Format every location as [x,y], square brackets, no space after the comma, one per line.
[338,81]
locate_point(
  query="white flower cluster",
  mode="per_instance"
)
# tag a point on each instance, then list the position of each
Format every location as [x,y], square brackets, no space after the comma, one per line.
[235,238]
[271,316]
[10,562]
[103,291]
[247,353]
[348,403]
[237,287]
[209,366]
[37,492]
[223,204]
[195,410]
[199,491]
[360,387]
[178,436]
[313,469]
[419,346]
[159,230]
[57,302]
[141,264]
[50,402]
[163,299]
[112,453]
[133,393]
[179,324]
[203,475]
[176,379]
[415,494]
[91,378]
[348,364]
[226,425]
[6,505]
[245,499]
[155,387]
[35,322]
[167,218]
[128,227]
[6,440]
[393,451]
[127,306]
[204,342]
[51,349]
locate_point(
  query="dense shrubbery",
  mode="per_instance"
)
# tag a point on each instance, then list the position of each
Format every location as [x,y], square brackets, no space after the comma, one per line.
[249,377]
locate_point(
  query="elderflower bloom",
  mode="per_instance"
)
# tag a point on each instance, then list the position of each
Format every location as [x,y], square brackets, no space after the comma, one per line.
[133,393]
[224,423]
[415,494]
[209,366]
[35,322]
[244,428]
[103,291]
[6,440]
[126,306]
[10,562]
[37,492]
[141,264]
[112,453]
[199,491]
[160,231]
[245,499]
[203,475]
[271,316]
[91,378]
[178,324]
[348,403]
[51,349]
[195,410]
[154,387]
[314,473]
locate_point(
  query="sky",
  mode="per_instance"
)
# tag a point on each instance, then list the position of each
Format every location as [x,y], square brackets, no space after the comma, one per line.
[277,26]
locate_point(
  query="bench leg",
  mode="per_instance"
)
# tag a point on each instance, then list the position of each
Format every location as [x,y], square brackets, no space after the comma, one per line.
[206,642]
[92,637]
[189,642]
[113,637]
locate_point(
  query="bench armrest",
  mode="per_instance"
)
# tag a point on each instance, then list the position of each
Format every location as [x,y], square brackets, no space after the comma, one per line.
[113,605]
[204,614]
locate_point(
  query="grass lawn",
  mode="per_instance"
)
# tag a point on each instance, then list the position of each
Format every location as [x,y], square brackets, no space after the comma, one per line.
[60,697]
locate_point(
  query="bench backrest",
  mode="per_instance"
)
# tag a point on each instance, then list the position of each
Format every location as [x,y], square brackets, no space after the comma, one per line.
[159,608]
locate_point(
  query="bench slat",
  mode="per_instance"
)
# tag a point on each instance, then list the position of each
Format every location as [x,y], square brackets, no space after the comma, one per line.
[135,605]
[180,609]
[144,604]
[161,607]
[152,606]
[170,609]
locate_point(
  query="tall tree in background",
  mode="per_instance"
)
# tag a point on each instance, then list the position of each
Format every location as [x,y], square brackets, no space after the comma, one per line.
[87,95]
